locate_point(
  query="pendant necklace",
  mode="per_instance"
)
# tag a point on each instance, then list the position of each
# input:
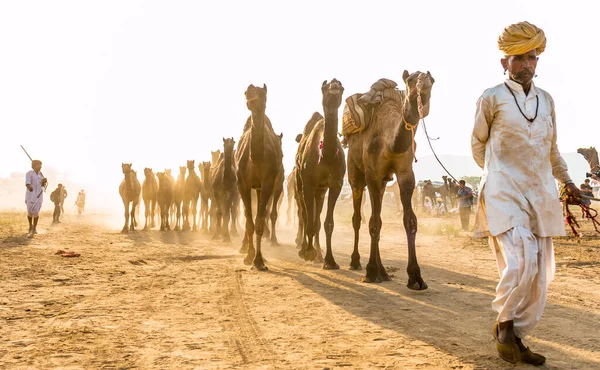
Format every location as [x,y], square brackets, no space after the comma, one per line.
[537,105]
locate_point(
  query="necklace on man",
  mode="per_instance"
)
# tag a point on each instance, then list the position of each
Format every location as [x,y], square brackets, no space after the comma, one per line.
[537,105]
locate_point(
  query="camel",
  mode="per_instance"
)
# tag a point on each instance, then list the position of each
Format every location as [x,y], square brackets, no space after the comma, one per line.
[259,161]
[429,191]
[384,148]
[224,184]
[130,190]
[165,199]
[193,186]
[591,156]
[178,197]
[321,166]
[291,185]
[206,194]
[149,194]
[453,188]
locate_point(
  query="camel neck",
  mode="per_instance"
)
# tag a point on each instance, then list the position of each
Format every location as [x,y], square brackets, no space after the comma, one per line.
[129,180]
[330,132]
[403,139]
[257,143]
[228,164]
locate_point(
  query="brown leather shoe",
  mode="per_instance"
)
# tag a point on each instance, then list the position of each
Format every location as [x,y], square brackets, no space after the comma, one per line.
[532,358]
[509,352]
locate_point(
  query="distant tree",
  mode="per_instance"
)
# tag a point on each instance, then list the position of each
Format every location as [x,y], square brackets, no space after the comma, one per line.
[472,181]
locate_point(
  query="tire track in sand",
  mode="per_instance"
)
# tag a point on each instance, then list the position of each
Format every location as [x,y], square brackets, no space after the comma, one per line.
[246,337]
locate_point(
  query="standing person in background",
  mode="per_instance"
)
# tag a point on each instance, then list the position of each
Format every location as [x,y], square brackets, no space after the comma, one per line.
[80,202]
[514,142]
[57,198]
[63,196]
[465,201]
[34,196]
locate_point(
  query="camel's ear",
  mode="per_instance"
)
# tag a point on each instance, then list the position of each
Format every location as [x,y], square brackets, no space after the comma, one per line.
[405,75]
[298,138]
[223,139]
[324,83]
[129,164]
[265,87]
[281,135]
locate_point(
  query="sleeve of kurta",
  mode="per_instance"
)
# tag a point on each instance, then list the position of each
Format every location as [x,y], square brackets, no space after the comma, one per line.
[559,166]
[28,179]
[481,130]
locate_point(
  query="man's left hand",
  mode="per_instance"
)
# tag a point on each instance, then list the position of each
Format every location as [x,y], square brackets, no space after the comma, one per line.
[573,191]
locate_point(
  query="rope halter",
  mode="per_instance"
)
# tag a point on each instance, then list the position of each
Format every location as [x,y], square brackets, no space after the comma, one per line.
[412,127]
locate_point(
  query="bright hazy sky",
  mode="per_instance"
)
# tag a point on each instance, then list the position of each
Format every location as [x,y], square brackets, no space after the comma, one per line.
[86,85]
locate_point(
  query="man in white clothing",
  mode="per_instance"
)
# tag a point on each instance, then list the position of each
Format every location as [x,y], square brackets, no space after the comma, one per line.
[514,142]
[34,196]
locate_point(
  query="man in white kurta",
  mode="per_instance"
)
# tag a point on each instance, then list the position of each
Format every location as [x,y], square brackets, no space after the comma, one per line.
[34,195]
[514,142]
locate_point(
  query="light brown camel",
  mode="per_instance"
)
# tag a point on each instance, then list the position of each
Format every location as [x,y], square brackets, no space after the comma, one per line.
[178,196]
[384,148]
[130,190]
[193,186]
[149,195]
[224,188]
[291,189]
[165,199]
[321,166]
[591,156]
[206,194]
[259,161]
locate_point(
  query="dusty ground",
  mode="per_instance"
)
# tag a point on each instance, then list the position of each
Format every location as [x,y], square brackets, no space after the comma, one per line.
[154,300]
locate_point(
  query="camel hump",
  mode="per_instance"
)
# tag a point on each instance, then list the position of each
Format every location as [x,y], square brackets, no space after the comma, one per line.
[316,117]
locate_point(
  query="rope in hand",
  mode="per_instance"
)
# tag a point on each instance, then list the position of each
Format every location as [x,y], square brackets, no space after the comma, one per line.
[570,219]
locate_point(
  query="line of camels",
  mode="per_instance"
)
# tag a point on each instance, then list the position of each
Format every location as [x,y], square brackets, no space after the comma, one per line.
[383,149]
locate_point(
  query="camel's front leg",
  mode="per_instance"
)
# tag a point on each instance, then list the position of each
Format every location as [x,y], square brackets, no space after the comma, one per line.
[126,226]
[248,242]
[319,202]
[195,213]
[147,213]
[375,271]
[133,221]
[334,193]
[407,186]
[274,214]
[261,212]
[357,201]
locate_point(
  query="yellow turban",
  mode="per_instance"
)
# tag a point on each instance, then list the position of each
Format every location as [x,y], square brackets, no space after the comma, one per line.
[519,38]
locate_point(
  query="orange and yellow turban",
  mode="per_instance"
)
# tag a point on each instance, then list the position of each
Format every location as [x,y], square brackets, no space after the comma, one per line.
[519,38]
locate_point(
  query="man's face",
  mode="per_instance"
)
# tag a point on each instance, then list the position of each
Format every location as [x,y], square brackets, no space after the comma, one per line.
[37,167]
[521,68]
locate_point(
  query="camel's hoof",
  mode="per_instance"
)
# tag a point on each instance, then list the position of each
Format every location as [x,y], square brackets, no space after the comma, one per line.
[310,254]
[243,249]
[370,279]
[125,230]
[259,265]
[331,266]
[226,239]
[416,285]
[355,266]
[176,228]
[215,237]
[275,243]
[145,228]
[319,257]
[301,253]
[249,257]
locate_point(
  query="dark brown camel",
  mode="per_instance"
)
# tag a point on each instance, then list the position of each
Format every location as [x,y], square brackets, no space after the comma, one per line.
[259,165]
[129,190]
[206,194]
[224,184]
[165,199]
[453,189]
[178,196]
[384,148]
[321,166]
[193,186]
[429,191]
[149,194]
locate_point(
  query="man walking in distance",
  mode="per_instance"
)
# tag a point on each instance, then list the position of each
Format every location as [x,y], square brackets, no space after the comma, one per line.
[514,142]
[57,198]
[80,202]
[34,196]
[465,201]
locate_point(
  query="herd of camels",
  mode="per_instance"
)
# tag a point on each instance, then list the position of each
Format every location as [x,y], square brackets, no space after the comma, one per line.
[381,150]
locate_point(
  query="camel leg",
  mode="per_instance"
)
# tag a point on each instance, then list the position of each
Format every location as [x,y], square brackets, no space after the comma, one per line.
[133,221]
[288,220]
[195,221]
[357,201]
[398,203]
[274,214]
[226,216]
[146,213]
[406,184]
[185,214]
[319,202]
[234,209]
[218,217]
[362,210]
[375,271]
[178,217]
[261,212]
[152,213]
[248,247]
[267,231]
[126,226]
[309,252]
[301,210]
[334,193]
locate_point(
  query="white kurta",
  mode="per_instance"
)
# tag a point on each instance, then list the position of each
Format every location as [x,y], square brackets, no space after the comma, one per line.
[520,161]
[35,180]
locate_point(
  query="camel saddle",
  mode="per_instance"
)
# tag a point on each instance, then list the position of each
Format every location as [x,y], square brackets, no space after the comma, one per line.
[360,108]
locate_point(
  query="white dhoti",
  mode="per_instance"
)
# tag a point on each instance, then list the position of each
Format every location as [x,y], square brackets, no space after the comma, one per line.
[33,208]
[526,266]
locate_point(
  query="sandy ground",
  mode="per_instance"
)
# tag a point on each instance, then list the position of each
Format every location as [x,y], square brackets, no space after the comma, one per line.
[175,300]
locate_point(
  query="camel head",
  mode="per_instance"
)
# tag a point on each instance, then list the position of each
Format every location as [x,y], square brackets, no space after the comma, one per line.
[298,138]
[419,83]
[256,97]
[126,167]
[168,172]
[160,176]
[148,172]
[587,152]
[215,156]
[206,166]
[182,170]
[332,94]
[191,165]
[228,145]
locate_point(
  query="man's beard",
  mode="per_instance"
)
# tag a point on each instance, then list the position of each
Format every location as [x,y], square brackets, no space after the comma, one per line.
[523,77]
